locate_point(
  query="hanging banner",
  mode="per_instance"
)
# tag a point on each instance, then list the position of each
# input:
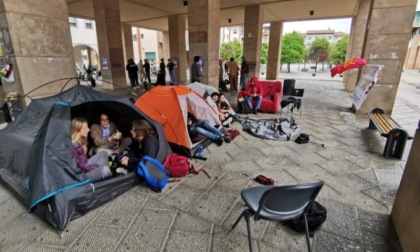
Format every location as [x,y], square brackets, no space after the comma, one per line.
[365,84]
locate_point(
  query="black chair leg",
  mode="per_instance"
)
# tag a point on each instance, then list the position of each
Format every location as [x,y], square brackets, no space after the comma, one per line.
[239,218]
[248,225]
[307,232]
[247,215]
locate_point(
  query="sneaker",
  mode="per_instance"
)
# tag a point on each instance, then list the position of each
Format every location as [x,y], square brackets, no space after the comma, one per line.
[121,171]
[227,121]
[226,139]
[219,141]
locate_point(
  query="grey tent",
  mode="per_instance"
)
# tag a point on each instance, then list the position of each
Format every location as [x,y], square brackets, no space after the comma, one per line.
[36,160]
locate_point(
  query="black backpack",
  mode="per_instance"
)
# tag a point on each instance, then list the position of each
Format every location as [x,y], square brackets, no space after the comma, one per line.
[302,138]
[316,215]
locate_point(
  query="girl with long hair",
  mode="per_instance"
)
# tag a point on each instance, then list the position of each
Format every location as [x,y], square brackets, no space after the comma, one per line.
[95,167]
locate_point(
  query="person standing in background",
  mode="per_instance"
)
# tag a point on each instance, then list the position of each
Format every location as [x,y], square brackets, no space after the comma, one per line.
[146,67]
[233,74]
[244,73]
[196,72]
[141,70]
[171,67]
[133,70]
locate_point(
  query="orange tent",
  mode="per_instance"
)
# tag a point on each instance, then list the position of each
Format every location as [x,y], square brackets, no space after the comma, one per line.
[169,106]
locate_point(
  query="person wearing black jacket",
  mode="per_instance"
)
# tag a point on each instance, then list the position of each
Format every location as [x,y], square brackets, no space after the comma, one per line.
[146,67]
[144,133]
[133,70]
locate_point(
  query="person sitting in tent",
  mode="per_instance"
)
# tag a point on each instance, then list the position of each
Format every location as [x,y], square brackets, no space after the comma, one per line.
[107,137]
[95,167]
[146,135]
[222,108]
[254,91]
[204,128]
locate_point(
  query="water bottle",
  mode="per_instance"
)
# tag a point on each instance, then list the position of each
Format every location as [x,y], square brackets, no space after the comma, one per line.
[200,151]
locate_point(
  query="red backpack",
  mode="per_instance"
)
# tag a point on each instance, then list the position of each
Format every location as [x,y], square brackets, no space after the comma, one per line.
[179,166]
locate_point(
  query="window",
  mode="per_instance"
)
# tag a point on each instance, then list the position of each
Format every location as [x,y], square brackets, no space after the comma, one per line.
[329,37]
[134,37]
[72,22]
[88,25]
[142,36]
[235,31]
[309,38]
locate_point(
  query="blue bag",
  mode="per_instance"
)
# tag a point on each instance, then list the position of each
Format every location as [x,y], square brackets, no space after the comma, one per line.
[154,172]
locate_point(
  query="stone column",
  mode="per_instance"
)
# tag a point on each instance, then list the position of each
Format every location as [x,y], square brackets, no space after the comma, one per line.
[203,27]
[36,40]
[110,43]
[405,212]
[274,50]
[358,33]
[386,44]
[177,27]
[252,38]
[128,42]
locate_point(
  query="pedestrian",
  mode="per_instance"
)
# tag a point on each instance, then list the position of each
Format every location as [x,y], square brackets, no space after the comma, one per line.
[146,67]
[233,74]
[161,78]
[132,70]
[244,73]
[171,67]
[196,71]
[141,70]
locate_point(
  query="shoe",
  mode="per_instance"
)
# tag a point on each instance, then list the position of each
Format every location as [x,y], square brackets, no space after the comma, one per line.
[227,121]
[219,141]
[254,111]
[121,171]
[226,139]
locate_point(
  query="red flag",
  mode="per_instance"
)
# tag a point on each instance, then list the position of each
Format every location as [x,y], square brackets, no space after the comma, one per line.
[353,63]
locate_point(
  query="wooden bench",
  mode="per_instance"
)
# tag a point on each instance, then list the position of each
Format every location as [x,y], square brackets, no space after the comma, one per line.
[396,137]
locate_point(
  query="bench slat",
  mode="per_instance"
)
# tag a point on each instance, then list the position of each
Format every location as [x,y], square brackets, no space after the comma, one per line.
[383,122]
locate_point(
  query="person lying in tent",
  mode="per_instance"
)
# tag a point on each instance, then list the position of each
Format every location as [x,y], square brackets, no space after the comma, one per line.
[107,138]
[95,167]
[144,133]
[204,128]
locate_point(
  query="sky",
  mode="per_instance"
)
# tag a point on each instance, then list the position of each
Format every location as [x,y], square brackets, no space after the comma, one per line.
[342,25]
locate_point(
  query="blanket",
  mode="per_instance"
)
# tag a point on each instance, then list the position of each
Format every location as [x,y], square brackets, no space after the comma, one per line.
[281,129]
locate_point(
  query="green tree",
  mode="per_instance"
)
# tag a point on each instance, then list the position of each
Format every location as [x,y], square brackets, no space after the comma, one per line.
[293,49]
[264,53]
[339,51]
[231,49]
[319,51]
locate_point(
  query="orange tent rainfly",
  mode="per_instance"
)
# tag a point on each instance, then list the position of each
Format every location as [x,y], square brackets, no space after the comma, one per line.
[169,106]
[353,63]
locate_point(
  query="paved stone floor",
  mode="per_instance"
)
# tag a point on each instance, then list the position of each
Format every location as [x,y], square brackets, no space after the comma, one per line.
[197,213]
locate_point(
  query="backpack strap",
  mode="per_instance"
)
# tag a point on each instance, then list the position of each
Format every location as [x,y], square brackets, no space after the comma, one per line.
[194,171]
[143,171]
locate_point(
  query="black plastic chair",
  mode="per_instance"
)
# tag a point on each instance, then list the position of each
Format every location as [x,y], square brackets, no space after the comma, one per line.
[278,203]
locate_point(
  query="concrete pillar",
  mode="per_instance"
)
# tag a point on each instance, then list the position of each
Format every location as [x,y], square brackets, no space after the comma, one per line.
[274,50]
[177,26]
[29,40]
[358,34]
[203,27]
[405,212]
[128,42]
[412,59]
[110,43]
[252,38]
[139,48]
[386,44]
